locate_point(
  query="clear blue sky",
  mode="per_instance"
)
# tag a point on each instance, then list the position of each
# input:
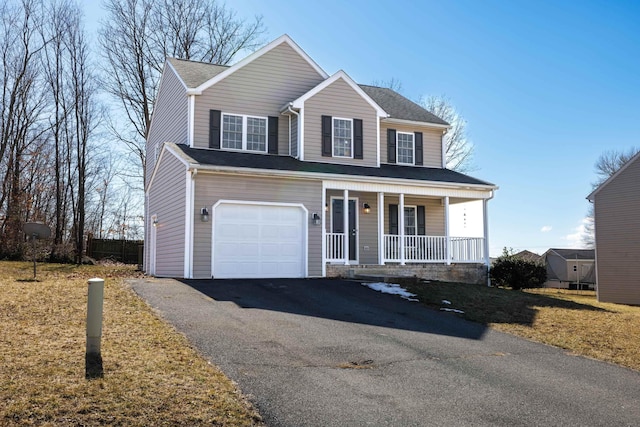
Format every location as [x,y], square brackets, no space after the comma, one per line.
[545,86]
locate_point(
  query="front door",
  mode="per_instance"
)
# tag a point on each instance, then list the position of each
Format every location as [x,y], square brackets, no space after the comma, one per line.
[337,221]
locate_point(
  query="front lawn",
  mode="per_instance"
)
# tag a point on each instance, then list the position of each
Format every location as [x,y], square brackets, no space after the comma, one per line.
[568,319]
[152,376]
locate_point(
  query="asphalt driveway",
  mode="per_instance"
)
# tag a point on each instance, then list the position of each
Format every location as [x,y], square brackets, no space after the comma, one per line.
[334,353]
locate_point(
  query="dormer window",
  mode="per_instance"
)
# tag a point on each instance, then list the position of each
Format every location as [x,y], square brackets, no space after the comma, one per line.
[405,148]
[342,137]
[247,133]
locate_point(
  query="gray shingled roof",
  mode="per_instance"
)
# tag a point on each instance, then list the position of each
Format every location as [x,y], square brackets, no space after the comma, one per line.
[274,162]
[400,107]
[397,106]
[195,73]
[575,253]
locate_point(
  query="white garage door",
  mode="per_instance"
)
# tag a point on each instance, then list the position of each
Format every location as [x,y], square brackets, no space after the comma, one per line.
[258,241]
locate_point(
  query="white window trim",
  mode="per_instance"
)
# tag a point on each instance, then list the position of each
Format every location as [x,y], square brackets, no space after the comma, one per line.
[333,137]
[413,148]
[415,216]
[244,132]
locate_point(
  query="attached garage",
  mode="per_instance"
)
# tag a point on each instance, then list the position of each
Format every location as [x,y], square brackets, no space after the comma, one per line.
[259,240]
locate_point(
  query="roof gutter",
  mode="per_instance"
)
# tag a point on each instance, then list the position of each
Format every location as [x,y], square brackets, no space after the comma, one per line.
[325,176]
[415,123]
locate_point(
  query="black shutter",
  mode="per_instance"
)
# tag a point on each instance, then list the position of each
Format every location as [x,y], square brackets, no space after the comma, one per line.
[273,135]
[214,128]
[338,216]
[326,136]
[418,144]
[391,145]
[393,219]
[422,229]
[357,139]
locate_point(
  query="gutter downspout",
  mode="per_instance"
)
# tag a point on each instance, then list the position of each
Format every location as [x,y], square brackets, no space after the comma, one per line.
[290,110]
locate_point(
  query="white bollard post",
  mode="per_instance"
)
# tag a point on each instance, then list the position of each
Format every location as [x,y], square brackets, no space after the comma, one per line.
[94,315]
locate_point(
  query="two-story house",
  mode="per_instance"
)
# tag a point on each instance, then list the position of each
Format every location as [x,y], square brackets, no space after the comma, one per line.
[273,168]
[616,208]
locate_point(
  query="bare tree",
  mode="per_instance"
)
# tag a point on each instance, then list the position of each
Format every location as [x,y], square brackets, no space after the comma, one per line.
[393,83]
[21,105]
[606,166]
[458,149]
[47,118]
[138,35]
[84,118]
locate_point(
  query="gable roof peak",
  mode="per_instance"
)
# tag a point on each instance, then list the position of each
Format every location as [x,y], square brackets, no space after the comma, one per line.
[591,197]
[257,54]
[340,74]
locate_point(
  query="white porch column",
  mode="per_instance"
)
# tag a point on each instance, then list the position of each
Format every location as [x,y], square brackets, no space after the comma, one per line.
[345,226]
[447,252]
[485,221]
[401,227]
[381,248]
[323,214]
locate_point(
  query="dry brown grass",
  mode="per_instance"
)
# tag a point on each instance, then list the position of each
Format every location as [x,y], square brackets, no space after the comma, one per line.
[151,374]
[570,320]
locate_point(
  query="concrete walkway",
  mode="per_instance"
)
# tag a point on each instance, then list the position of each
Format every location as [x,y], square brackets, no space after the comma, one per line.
[335,353]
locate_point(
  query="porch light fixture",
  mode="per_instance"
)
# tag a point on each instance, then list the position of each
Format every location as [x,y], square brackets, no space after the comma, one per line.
[155,222]
[315,218]
[204,215]
[366,208]
[326,207]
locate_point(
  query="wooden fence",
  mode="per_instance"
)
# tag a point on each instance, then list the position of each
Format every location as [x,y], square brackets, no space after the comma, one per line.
[125,251]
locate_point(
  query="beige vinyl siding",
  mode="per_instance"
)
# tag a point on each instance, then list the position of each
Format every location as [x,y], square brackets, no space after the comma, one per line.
[339,100]
[617,225]
[431,142]
[261,88]
[170,117]
[367,224]
[210,188]
[167,201]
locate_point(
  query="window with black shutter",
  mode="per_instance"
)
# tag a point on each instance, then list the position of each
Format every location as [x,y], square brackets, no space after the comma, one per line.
[273,135]
[391,146]
[214,128]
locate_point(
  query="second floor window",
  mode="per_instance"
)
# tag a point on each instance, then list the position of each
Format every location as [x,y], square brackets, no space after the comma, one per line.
[405,148]
[342,137]
[244,133]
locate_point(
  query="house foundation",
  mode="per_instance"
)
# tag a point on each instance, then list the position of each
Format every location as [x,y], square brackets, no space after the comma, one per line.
[470,273]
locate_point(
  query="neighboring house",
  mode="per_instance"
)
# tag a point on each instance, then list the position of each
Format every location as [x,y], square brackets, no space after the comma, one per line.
[249,168]
[616,205]
[529,256]
[570,268]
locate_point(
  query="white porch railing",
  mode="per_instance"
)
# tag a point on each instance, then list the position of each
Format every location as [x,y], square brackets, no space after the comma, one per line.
[433,249]
[335,247]
[418,249]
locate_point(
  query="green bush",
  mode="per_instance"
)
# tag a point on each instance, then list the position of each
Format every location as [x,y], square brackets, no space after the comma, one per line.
[516,273]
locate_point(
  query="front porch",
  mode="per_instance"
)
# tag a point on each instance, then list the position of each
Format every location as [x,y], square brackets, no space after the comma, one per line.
[392,227]
[415,249]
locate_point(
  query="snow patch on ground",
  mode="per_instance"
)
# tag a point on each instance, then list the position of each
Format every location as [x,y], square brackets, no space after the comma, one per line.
[452,310]
[392,288]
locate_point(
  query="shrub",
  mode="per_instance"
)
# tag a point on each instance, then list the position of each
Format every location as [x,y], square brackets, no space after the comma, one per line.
[516,273]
